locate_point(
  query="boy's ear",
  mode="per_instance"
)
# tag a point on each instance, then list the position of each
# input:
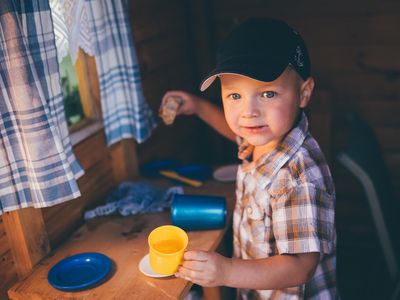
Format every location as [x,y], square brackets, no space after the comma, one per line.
[306,90]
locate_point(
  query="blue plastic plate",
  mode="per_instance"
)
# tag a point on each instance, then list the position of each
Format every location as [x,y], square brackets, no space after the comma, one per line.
[152,169]
[79,271]
[194,171]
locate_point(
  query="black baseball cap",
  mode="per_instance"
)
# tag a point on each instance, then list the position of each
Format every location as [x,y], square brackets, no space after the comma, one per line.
[261,48]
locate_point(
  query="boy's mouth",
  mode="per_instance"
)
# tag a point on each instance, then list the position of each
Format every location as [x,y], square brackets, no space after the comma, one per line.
[254,129]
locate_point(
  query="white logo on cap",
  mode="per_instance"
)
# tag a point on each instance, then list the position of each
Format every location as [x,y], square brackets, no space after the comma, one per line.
[298,58]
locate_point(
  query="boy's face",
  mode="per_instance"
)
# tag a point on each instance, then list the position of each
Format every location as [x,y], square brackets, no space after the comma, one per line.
[263,112]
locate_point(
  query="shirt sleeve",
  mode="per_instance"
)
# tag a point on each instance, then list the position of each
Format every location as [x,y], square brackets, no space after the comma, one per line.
[303,220]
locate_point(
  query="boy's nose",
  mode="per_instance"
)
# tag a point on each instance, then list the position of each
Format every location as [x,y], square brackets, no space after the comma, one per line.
[250,108]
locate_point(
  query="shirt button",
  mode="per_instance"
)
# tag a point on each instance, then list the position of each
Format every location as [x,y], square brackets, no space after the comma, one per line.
[249,210]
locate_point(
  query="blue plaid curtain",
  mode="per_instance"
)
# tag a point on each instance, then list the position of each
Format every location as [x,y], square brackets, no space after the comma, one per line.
[37,166]
[126,113]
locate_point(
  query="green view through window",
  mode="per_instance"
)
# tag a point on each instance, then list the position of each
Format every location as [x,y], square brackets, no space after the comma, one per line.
[72,102]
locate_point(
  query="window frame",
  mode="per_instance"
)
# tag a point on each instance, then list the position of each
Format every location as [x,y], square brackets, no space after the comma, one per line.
[89,92]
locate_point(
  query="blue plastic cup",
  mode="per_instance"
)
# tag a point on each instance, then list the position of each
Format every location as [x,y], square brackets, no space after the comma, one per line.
[198,212]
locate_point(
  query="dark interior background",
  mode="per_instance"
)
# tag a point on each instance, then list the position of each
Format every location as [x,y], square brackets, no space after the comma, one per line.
[355,53]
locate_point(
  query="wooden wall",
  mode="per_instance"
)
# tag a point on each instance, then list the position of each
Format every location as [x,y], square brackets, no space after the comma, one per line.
[354,48]
[61,220]
[8,273]
[166,39]
[161,37]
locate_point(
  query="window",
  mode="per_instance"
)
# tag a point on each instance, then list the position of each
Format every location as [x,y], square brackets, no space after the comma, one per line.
[82,106]
[72,100]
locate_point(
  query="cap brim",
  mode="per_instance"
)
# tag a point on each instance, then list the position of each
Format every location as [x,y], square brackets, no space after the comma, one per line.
[207,82]
[256,71]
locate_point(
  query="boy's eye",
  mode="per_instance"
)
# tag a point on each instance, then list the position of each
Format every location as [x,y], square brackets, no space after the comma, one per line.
[234,96]
[269,94]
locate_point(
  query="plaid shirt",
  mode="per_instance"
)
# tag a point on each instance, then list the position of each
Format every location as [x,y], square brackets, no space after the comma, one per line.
[285,204]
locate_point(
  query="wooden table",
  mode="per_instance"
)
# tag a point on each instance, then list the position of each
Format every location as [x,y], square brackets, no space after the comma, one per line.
[124,240]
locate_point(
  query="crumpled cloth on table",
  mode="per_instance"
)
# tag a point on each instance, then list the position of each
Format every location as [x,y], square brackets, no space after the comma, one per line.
[135,197]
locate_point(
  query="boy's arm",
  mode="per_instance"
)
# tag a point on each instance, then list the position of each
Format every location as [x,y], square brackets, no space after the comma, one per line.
[276,272]
[204,109]
[214,116]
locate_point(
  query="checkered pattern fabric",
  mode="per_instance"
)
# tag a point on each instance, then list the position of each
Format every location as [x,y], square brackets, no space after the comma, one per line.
[285,205]
[37,166]
[126,114]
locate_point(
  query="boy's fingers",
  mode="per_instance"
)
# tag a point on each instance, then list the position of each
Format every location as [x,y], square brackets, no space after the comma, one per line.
[188,274]
[184,272]
[167,95]
[194,265]
[196,255]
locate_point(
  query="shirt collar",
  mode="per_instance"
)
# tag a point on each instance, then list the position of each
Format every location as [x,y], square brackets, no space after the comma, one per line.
[270,163]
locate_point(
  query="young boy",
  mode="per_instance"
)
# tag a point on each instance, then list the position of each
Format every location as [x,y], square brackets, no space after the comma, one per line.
[284,231]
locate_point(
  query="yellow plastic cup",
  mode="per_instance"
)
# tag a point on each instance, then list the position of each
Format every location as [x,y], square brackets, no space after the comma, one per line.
[167,244]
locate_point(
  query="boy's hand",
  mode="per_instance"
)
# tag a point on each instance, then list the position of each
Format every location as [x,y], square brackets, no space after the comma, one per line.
[188,104]
[204,268]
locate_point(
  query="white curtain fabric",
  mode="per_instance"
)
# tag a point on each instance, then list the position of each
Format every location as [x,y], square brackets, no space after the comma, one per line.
[101,28]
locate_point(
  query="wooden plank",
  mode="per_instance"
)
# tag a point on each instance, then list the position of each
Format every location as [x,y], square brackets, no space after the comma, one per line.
[334,30]
[200,21]
[337,30]
[314,8]
[89,160]
[154,7]
[168,138]
[144,27]
[379,112]
[63,219]
[2,230]
[8,274]
[176,74]
[156,22]
[88,82]
[356,85]
[27,237]
[124,160]
[388,138]
[98,182]
[85,154]
[351,58]
[346,182]
[393,161]
[154,94]
[157,53]
[4,246]
[211,293]
[319,114]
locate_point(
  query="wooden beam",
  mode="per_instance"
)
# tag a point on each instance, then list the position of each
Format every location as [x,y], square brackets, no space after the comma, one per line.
[200,20]
[124,160]
[27,236]
[88,82]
